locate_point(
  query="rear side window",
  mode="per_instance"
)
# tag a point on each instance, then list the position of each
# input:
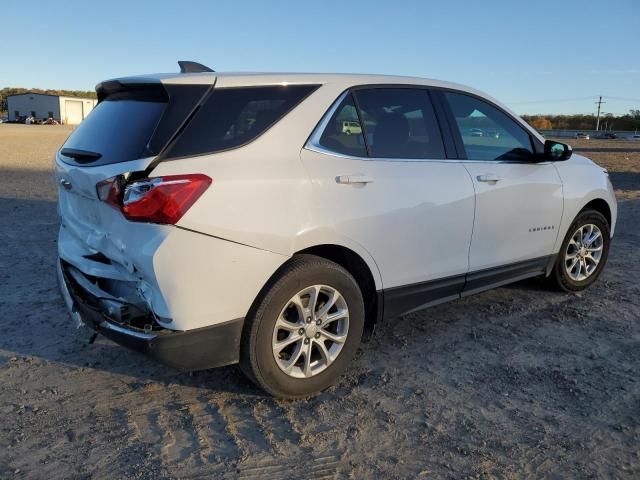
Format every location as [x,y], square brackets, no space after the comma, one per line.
[232,117]
[118,129]
[343,134]
[399,123]
[488,133]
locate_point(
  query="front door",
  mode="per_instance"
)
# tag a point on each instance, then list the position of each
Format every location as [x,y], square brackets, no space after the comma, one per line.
[519,201]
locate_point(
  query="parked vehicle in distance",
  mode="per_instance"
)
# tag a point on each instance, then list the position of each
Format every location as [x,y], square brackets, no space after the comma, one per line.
[257,230]
[582,135]
[609,135]
[635,137]
[476,132]
[351,127]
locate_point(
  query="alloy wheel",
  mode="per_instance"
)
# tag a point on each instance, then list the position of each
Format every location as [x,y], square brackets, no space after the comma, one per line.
[583,252]
[310,331]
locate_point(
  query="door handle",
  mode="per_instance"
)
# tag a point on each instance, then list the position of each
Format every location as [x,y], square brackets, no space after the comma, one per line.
[490,178]
[353,179]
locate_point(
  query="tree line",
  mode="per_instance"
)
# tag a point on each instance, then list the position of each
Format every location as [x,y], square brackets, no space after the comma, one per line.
[629,121]
[7,91]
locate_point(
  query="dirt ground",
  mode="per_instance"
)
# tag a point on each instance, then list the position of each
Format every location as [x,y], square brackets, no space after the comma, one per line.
[519,382]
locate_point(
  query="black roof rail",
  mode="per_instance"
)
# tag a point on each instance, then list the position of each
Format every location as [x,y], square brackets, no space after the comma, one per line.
[187,66]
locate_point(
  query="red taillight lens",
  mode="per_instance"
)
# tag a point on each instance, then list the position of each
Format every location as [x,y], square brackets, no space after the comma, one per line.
[155,200]
[109,191]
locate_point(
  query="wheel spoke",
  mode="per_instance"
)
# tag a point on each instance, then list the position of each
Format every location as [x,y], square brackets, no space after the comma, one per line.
[333,337]
[572,266]
[289,364]
[337,315]
[322,348]
[335,296]
[570,256]
[313,298]
[593,237]
[294,337]
[578,236]
[298,303]
[307,359]
[283,324]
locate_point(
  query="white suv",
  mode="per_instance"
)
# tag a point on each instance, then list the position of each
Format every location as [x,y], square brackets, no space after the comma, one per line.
[210,218]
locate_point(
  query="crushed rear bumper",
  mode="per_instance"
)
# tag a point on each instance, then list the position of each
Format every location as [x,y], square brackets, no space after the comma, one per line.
[197,349]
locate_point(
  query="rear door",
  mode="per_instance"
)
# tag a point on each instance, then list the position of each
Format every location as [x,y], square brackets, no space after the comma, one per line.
[519,199]
[390,188]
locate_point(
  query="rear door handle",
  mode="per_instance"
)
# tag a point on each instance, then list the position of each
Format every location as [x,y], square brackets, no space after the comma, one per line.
[353,179]
[490,178]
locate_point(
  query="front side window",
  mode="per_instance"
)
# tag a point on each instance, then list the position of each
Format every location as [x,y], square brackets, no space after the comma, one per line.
[487,133]
[399,123]
[232,117]
[343,134]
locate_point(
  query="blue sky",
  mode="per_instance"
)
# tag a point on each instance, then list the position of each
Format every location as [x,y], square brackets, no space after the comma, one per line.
[546,56]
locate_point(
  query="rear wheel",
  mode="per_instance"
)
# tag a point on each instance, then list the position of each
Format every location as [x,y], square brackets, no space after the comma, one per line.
[305,328]
[584,252]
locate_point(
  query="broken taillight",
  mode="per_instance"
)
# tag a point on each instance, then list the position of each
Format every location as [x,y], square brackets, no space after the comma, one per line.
[154,200]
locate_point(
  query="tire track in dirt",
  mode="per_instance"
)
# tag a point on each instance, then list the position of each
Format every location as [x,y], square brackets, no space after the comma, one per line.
[243,426]
[189,434]
[216,444]
[181,440]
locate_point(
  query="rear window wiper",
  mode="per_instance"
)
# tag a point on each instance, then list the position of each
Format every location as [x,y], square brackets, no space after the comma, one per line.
[81,156]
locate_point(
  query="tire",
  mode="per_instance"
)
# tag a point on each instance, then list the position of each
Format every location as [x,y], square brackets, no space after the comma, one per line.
[562,276]
[300,278]
[348,132]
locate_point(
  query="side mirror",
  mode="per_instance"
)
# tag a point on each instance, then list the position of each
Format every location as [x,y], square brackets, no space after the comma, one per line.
[556,151]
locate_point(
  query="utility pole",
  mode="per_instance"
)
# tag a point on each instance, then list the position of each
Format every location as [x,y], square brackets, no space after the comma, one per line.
[599,102]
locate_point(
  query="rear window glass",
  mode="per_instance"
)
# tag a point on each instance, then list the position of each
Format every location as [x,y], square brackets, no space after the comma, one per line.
[343,134]
[118,130]
[400,123]
[232,117]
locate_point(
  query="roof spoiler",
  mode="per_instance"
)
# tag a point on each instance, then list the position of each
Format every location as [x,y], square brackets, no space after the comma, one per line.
[192,67]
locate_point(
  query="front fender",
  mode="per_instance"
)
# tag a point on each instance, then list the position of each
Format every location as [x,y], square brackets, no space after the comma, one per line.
[583,181]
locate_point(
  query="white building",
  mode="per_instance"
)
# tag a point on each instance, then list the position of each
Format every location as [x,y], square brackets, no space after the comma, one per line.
[67,110]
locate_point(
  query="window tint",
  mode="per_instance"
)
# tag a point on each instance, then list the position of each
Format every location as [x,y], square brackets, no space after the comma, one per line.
[488,133]
[399,123]
[234,116]
[343,133]
[117,129]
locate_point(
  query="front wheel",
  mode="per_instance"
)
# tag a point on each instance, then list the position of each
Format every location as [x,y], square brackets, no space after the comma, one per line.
[305,328]
[583,253]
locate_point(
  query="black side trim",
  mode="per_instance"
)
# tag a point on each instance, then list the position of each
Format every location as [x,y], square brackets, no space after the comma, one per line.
[402,300]
[494,277]
[399,301]
[450,132]
[198,349]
